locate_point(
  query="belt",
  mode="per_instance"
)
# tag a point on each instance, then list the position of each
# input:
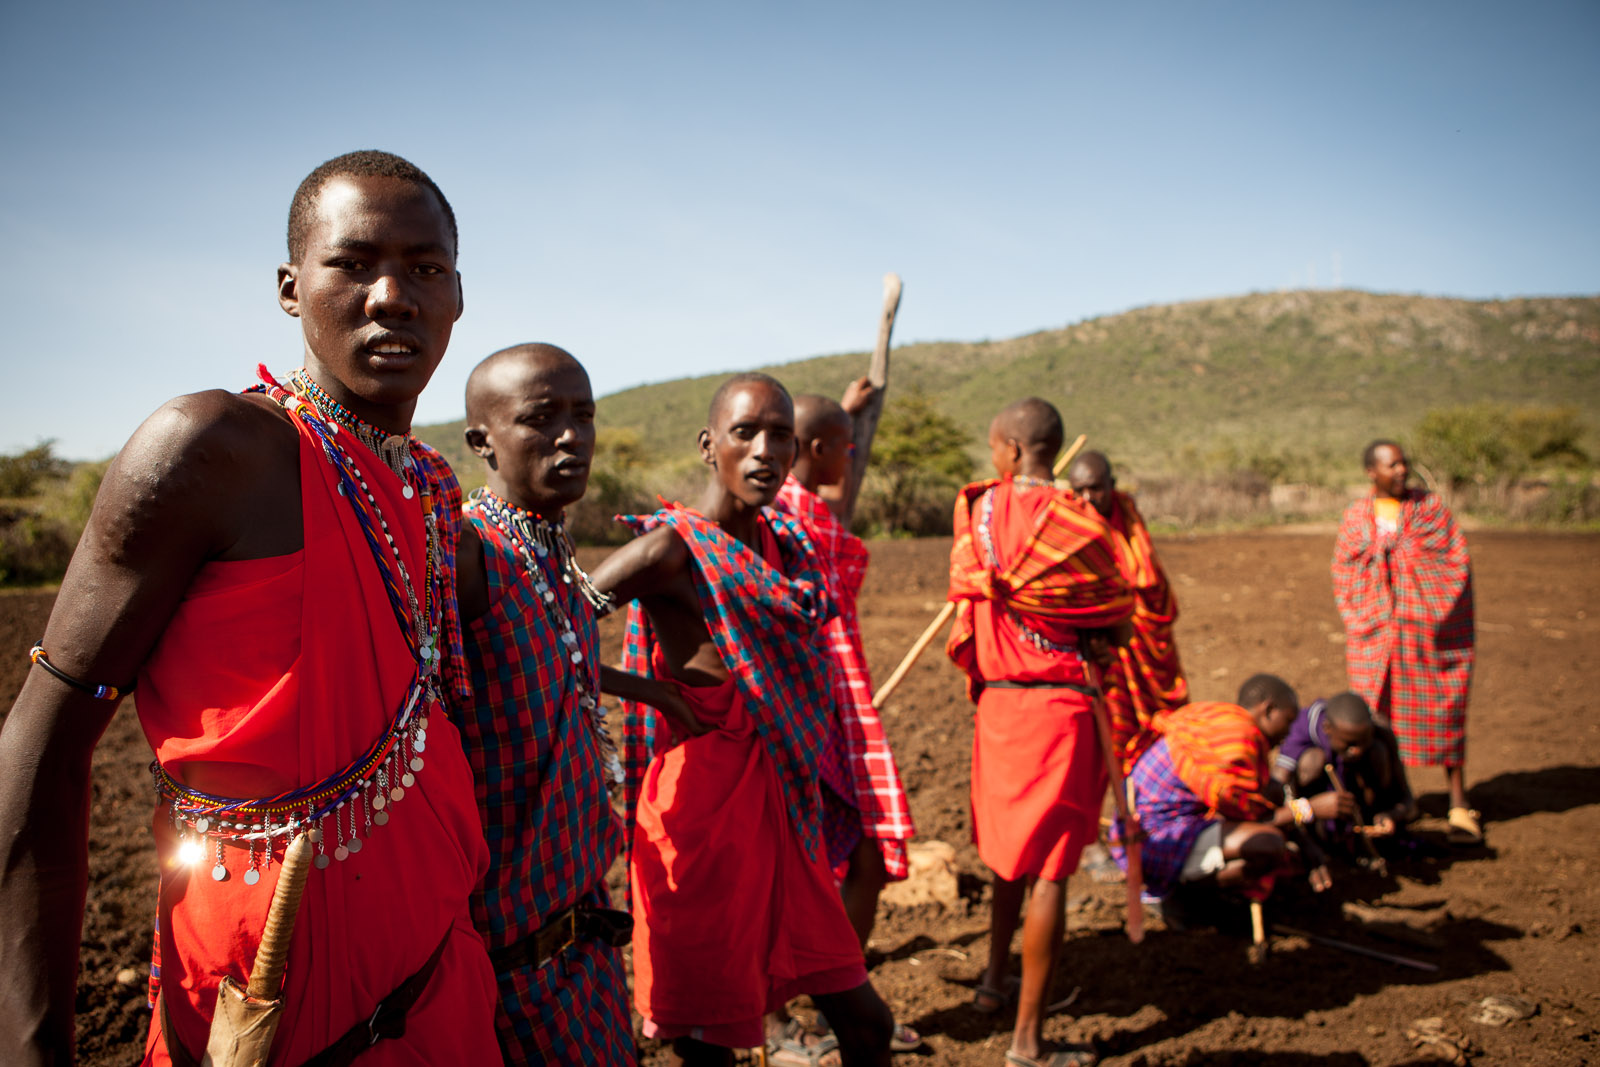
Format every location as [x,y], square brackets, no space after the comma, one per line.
[565,927]
[1007,683]
[388,1019]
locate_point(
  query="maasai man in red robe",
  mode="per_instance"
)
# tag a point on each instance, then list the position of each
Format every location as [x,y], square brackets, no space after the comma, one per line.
[1206,799]
[277,572]
[1035,578]
[729,707]
[1403,582]
[535,732]
[1146,681]
[865,814]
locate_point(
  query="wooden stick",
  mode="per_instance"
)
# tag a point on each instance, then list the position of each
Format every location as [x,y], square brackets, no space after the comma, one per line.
[1359,950]
[1378,862]
[266,976]
[866,420]
[917,649]
[1258,924]
[1069,455]
[1122,794]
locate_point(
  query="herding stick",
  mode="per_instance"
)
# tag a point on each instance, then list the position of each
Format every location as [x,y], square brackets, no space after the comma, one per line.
[1122,793]
[866,420]
[1359,950]
[949,609]
[1259,946]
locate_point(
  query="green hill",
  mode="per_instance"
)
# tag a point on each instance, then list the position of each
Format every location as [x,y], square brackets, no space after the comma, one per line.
[1300,380]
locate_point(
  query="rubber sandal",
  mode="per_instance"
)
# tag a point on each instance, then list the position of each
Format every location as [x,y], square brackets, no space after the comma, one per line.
[799,1047]
[1072,1056]
[1465,827]
[905,1039]
[991,1001]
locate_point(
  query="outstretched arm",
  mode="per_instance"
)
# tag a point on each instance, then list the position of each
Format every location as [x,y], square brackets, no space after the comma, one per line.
[163,509]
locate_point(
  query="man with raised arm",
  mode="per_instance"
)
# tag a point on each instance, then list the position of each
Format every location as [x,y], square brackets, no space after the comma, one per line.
[735,907]
[1146,681]
[535,732]
[1035,578]
[275,571]
[1403,583]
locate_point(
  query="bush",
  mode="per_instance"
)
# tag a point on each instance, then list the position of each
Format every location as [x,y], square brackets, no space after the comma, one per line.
[919,460]
[21,474]
[32,547]
[1494,444]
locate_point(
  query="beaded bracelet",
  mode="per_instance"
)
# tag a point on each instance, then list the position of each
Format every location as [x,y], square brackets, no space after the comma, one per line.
[99,692]
[1300,808]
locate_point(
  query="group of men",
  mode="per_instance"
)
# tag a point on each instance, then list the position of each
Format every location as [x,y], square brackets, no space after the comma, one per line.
[326,639]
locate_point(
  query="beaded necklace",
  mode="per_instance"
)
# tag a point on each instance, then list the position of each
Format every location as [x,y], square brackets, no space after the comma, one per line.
[393,449]
[986,538]
[359,794]
[545,547]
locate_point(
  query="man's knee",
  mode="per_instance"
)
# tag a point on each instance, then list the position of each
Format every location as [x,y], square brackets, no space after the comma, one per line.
[866,866]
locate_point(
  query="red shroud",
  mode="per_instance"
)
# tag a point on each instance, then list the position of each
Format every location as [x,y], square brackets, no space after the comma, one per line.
[272,674]
[879,795]
[1220,753]
[1037,769]
[1147,681]
[1406,599]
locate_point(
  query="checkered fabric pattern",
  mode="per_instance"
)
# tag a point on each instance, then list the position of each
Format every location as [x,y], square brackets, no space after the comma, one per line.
[767,624]
[1221,755]
[1407,605]
[879,795]
[1171,816]
[1147,681]
[546,812]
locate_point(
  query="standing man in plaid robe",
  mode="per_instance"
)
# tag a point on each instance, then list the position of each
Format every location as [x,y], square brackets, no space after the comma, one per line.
[1035,578]
[729,707]
[533,734]
[1403,583]
[1146,681]
[866,817]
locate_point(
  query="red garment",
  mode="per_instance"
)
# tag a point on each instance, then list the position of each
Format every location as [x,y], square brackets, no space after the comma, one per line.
[1147,680]
[731,919]
[1220,753]
[879,795]
[272,674]
[1406,599]
[1037,769]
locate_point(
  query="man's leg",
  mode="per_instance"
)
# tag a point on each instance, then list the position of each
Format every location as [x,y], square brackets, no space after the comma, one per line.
[1457,773]
[1250,851]
[1042,933]
[863,881]
[1003,915]
[861,1022]
[687,1052]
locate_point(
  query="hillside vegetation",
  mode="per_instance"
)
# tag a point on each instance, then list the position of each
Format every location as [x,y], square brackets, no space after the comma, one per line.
[1286,384]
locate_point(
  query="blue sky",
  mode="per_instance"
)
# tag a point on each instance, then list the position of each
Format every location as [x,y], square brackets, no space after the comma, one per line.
[671,189]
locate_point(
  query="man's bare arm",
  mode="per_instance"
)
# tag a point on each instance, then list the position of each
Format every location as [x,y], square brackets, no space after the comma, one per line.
[171,500]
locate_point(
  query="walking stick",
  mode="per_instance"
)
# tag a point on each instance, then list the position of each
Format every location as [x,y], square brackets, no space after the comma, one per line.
[1128,813]
[247,1019]
[866,420]
[921,644]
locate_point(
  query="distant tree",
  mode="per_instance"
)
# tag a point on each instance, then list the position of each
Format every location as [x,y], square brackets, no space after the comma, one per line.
[919,458]
[1488,443]
[21,474]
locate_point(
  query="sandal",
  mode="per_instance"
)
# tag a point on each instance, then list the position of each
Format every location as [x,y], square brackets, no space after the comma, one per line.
[991,1001]
[904,1039]
[796,1046]
[1465,827]
[1070,1056]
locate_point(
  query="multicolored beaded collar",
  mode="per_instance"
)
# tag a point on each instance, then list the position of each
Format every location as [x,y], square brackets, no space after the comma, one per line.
[358,795]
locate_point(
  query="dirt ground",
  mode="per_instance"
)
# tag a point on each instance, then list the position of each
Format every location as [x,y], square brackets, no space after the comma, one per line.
[1519,916]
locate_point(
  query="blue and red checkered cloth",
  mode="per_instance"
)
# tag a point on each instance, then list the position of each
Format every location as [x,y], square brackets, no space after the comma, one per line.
[541,791]
[767,622]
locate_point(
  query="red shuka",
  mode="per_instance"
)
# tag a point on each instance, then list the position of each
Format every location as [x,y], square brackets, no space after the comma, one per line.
[272,674]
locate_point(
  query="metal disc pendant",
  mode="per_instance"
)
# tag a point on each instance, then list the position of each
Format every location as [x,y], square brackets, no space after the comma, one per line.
[322,861]
[379,802]
[419,745]
[354,844]
[202,825]
[416,764]
[314,835]
[397,792]
[341,853]
[380,818]
[219,873]
[408,780]
[407,492]
[252,876]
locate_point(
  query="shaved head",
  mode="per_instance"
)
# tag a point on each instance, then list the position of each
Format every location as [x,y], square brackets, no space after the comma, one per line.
[1349,709]
[1271,688]
[497,372]
[813,414]
[1034,424]
[719,399]
[1088,468]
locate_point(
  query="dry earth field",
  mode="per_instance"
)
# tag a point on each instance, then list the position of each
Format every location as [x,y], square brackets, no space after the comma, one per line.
[1520,916]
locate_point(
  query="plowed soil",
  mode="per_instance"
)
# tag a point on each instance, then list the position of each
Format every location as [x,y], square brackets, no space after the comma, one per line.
[1518,916]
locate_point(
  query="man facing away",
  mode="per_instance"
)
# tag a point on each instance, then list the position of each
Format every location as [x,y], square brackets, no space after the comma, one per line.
[1146,680]
[1403,583]
[535,732]
[1034,575]
[276,570]
[734,904]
